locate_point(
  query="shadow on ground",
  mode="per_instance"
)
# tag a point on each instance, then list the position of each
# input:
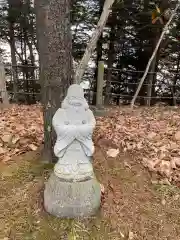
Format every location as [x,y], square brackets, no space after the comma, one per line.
[134,209]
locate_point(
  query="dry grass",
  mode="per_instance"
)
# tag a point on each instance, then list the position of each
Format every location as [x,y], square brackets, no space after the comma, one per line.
[134,208]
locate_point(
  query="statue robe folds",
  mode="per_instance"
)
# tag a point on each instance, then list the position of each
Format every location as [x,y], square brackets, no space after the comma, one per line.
[74,147]
[68,130]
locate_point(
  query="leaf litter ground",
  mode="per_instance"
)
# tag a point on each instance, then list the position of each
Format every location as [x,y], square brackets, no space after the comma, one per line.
[139,204]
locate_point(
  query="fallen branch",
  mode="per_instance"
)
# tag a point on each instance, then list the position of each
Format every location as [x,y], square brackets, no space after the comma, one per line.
[153,55]
[92,44]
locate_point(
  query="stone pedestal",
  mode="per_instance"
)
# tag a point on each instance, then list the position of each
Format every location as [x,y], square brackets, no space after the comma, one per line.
[71,199]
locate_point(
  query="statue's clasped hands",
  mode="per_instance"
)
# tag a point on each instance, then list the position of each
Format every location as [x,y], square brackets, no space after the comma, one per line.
[79,130]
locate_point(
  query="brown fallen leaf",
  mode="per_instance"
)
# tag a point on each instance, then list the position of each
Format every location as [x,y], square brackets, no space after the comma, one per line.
[2,150]
[33,147]
[122,234]
[131,235]
[110,186]
[15,139]
[176,197]
[151,135]
[116,201]
[176,161]
[126,164]
[165,168]
[154,182]
[177,136]
[173,163]
[113,152]
[173,145]
[6,159]
[164,181]
[6,137]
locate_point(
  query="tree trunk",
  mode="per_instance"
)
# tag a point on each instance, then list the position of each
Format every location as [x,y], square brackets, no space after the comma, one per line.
[99,52]
[175,79]
[54,44]
[151,79]
[32,69]
[12,7]
[143,59]
[98,58]
[13,61]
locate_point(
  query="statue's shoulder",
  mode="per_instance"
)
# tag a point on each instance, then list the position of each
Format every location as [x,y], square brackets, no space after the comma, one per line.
[90,116]
[60,111]
[59,114]
[89,112]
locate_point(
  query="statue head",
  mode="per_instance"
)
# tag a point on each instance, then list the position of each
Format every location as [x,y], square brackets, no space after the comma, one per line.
[75,98]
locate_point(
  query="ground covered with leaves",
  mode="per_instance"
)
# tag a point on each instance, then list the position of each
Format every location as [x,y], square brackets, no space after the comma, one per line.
[21,130]
[152,135]
[139,204]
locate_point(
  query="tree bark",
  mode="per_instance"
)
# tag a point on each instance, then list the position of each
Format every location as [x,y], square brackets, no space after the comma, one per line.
[99,53]
[32,69]
[54,44]
[13,5]
[174,82]
[13,61]
[143,56]
[111,52]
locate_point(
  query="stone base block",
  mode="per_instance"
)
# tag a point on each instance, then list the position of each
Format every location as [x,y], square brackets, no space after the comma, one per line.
[72,199]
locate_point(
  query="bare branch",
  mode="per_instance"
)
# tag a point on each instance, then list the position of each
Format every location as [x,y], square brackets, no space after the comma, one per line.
[92,44]
[153,55]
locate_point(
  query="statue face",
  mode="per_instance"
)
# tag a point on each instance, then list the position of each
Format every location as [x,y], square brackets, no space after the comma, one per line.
[75,98]
[75,101]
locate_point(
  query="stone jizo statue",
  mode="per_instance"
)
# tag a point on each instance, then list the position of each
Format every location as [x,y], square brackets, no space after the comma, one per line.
[72,189]
[74,123]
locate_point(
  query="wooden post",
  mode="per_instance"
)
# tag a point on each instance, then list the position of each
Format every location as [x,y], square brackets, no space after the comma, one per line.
[3,90]
[100,83]
[15,83]
[150,81]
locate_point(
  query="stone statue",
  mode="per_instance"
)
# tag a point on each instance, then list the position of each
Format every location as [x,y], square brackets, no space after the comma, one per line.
[74,123]
[72,189]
